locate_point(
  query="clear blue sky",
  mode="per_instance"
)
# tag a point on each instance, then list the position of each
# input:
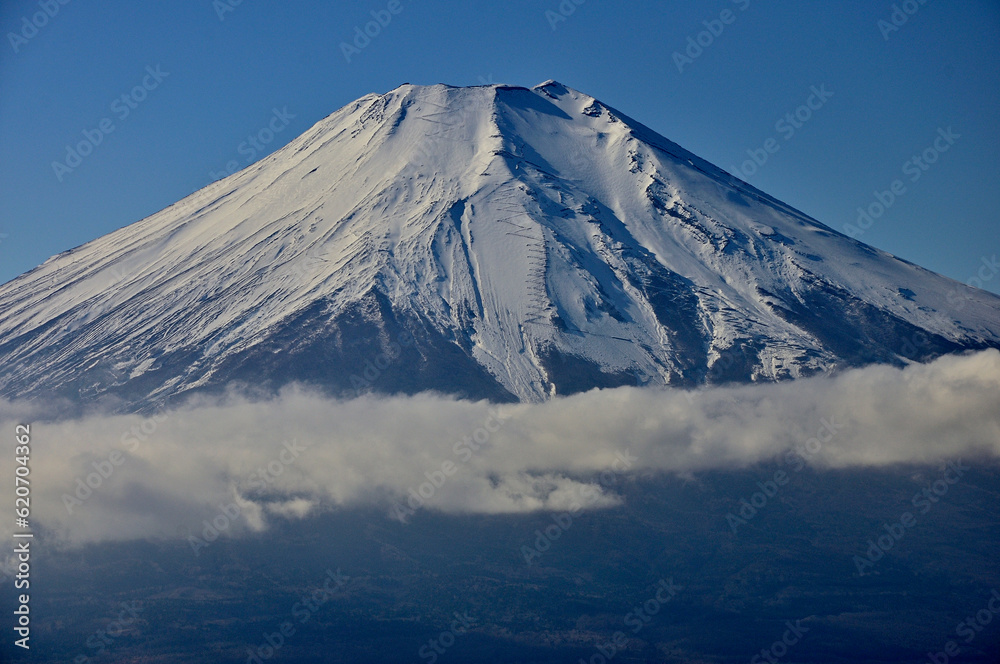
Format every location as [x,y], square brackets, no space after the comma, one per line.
[892,92]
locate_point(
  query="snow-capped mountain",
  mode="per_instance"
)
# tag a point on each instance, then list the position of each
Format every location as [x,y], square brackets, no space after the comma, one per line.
[491,241]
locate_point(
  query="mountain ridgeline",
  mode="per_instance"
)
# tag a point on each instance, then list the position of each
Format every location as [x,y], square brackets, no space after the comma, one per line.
[489,242]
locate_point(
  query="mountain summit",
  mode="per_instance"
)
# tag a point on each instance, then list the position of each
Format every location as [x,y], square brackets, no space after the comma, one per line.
[492,242]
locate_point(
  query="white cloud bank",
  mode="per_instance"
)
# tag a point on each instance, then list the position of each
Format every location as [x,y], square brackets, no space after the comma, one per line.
[300,453]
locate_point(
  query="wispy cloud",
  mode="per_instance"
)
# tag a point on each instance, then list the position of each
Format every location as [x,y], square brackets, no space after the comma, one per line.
[301,453]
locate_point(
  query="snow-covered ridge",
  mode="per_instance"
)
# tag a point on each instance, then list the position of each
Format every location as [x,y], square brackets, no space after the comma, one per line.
[533,241]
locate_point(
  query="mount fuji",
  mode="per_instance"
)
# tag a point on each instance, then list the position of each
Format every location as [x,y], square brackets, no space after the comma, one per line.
[490,242]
